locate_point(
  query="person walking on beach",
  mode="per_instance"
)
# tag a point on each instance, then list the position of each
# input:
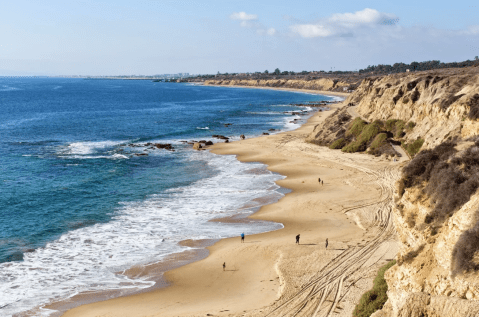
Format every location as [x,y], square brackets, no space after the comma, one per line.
[326,243]
[242,237]
[224,266]
[319,180]
[297,239]
[322,183]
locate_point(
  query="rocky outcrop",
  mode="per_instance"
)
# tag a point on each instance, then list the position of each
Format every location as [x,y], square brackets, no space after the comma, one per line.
[323,84]
[444,104]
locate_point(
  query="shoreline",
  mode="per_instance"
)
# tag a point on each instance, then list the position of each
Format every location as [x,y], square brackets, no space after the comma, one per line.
[155,271]
[309,91]
[202,287]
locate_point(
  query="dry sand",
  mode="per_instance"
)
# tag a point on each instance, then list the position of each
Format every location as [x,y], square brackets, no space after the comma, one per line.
[269,274]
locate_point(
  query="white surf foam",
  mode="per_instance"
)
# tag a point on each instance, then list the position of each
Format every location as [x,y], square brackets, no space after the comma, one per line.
[8,88]
[85,148]
[86,259]
[205,128]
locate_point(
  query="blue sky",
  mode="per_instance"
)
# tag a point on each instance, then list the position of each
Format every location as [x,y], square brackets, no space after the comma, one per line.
[170,36]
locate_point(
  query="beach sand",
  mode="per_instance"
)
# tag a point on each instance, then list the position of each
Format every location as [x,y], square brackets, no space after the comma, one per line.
[269,274]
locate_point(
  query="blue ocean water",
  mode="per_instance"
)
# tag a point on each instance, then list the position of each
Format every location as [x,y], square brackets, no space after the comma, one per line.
[77,202]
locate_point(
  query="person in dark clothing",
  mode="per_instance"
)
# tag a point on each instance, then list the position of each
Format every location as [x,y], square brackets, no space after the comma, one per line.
[224,266]
[326,243]
[319,180]
[322,182]
[242,237]
[297,239]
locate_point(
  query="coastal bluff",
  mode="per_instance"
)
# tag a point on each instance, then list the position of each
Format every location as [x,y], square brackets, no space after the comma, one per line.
[319,84]
[436,214]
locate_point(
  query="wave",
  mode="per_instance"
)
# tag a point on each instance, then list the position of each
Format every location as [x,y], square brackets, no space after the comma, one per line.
[85,148]
[88,258]
[9,88]
[205,128]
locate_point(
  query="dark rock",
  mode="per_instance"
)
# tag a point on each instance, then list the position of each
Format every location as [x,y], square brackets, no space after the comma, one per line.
[222,137]
[265,133]
[242,137]
[209,143]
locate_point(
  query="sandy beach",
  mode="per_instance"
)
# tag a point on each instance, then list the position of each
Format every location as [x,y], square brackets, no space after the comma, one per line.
[270,274]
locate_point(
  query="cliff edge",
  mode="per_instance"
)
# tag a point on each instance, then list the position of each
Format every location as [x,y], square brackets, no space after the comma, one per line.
[436,212]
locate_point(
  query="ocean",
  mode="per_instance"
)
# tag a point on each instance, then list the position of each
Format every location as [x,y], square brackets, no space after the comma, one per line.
[84,194]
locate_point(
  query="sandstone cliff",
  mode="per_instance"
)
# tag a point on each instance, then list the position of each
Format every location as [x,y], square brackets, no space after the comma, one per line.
[437,214]
[437,200]
[323,84]
[443,104]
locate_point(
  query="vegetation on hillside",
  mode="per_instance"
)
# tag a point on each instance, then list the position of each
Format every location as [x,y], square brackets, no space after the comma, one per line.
[359,136]
[415,66]
[374,299]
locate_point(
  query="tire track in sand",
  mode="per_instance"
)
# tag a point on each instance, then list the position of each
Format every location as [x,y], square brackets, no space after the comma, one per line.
[323,292]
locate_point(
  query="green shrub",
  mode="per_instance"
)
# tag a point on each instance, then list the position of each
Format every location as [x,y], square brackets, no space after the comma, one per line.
[410,125]
[413,148]
[399,128]
[378,141]
[396,127]
[369,132]
[390,125]
[374,299]
[353,147]
[339,143]
[356,127]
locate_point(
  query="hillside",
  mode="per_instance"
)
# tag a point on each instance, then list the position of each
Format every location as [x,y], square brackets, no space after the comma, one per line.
[436,212]
[321,84]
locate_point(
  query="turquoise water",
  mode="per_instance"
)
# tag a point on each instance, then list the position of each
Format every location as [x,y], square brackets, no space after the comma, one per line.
[77,203]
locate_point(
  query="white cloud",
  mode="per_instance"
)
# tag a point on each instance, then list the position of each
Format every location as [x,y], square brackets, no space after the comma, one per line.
[472,29]
[311,30]
[250,21]
[271,31]
[340,24]
[243,16]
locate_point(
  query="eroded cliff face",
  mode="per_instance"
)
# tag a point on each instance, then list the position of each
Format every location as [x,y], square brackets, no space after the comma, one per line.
[443,104]
[438,263]
[428,279]
[323,84]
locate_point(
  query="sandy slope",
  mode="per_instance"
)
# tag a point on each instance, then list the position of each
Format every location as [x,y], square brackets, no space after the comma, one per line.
[271,275]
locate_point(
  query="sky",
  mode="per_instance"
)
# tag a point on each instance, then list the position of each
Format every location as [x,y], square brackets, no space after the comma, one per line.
[148,37]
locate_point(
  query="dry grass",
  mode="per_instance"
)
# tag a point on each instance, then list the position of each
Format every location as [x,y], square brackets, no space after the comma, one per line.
[448,179]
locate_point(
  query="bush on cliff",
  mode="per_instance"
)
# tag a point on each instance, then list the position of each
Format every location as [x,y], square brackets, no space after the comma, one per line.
[374,299]
[413,148]
[356,127]
[447,178]
[378,141]
[396,127]
[353,147]
[368,133]
[339,143]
